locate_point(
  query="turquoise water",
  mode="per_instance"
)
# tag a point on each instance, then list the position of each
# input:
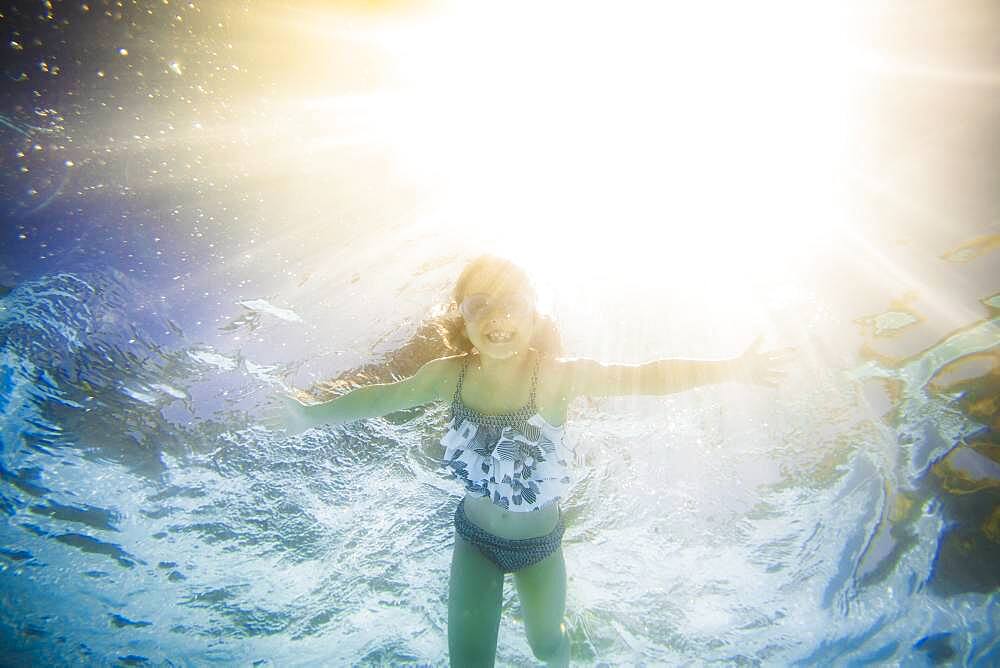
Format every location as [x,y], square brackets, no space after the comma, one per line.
[148,518]
[190,226]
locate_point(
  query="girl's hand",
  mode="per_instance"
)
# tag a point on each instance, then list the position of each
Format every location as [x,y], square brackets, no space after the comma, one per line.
[763,367]
[288,415]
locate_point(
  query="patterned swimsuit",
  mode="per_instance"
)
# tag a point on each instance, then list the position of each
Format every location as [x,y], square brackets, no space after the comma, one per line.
[517,459]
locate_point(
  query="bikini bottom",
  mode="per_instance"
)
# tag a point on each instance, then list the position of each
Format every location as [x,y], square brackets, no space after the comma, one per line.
[508,554]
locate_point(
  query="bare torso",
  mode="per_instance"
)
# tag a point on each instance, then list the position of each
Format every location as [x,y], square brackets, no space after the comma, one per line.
[507,524]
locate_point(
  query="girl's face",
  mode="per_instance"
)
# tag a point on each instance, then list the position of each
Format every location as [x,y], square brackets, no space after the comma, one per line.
[499,316]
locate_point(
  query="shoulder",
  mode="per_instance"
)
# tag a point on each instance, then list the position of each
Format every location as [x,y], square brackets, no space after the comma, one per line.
[556,387]
[441,375]
[445,364]
[572,376]
[442,367]
[557,374]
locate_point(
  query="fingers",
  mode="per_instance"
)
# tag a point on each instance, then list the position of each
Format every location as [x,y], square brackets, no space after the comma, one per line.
[766,366]
[282,414]
[769,376]
[274,417]
[290,401]
[774,360]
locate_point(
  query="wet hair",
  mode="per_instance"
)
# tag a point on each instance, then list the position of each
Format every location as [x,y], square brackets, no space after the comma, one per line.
[503,274]
[443,332]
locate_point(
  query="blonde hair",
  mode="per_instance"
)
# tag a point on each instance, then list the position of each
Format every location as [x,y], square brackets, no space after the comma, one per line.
[443,333]
[499,271]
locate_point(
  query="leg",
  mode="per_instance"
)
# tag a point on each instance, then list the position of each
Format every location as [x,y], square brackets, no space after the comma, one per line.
[542,590]
[475,595]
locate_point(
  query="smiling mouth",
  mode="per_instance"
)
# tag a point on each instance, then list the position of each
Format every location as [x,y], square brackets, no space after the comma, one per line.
[500,337]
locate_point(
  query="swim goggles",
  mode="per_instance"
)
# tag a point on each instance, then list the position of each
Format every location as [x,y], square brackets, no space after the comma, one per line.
[475,306]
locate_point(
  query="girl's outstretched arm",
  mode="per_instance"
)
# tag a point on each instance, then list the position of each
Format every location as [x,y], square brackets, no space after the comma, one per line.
[434,381]
[583,377]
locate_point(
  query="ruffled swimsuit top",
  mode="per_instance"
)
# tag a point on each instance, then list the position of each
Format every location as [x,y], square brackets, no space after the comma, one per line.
[517,459]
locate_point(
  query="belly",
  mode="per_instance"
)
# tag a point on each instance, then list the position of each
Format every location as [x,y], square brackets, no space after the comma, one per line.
[508,524]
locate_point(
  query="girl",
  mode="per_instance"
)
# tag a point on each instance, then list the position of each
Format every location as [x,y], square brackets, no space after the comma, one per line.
[509,393]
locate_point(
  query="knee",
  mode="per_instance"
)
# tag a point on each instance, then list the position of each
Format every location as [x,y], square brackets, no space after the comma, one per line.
[549,646]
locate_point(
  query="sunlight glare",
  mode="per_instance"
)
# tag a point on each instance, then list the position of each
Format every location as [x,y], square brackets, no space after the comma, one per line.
[637,142]
[625,136]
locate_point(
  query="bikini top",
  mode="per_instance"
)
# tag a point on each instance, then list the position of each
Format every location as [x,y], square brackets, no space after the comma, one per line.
[517,459]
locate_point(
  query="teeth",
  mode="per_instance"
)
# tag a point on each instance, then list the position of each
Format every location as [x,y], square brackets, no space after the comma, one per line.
[499,337]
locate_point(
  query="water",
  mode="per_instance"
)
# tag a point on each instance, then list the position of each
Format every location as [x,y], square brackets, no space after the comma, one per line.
[147,517]
[196,222]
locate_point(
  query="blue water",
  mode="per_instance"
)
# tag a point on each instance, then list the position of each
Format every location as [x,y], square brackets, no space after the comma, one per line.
[149,519]
[167,267]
